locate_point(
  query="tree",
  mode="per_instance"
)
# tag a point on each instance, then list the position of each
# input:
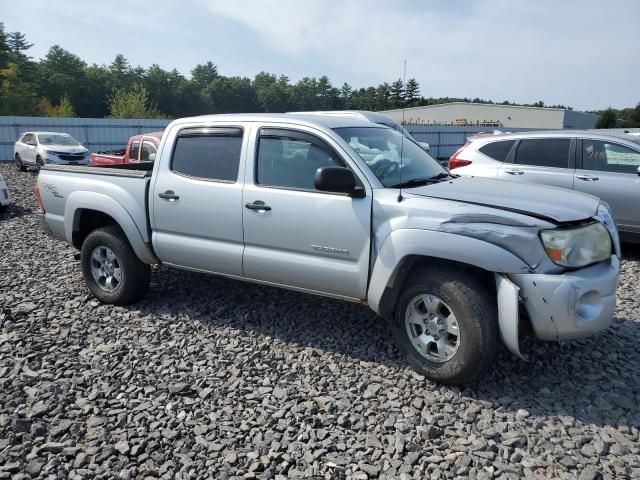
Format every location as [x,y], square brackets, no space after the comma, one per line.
[64,109]
[17,97]
[203,74]
[397,93]
[132,103]
[345,96]
[607,119]
[412,92]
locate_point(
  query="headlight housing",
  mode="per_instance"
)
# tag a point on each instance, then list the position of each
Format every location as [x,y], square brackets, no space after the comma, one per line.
[577,247]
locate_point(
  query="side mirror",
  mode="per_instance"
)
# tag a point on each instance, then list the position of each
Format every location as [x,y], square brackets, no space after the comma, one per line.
[338,179]
[425,146]
[152,157]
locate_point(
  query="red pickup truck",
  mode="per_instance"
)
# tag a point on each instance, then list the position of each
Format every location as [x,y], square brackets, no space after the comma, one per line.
[140,148]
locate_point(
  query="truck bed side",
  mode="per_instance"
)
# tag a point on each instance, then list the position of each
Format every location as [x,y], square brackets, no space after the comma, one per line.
[77,199]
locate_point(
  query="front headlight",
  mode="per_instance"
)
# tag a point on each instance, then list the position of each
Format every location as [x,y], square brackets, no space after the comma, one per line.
[577,247]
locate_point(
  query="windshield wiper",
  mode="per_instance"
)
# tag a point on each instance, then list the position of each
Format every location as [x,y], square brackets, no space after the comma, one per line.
[415,182]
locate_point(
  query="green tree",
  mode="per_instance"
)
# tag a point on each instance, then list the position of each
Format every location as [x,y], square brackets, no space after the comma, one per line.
[607,119]
[397,93]
[412,92]
[132,103]
[17,97]
[64,109]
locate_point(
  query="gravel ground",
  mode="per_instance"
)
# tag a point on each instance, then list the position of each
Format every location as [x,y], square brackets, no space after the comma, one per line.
[213,378]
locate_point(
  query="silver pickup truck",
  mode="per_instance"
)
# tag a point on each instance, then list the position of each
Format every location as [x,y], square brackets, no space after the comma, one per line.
[344,208]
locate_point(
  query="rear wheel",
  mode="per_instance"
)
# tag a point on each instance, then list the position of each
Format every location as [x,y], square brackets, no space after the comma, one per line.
[445,323]
[19,165]
[111,269]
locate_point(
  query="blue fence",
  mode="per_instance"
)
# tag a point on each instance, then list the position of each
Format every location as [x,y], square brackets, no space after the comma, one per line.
[94,133]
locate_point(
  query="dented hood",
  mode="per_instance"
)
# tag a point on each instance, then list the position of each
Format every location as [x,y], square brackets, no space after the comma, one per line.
[557,204]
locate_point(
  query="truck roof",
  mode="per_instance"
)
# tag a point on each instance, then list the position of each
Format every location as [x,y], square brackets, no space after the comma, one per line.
[157,135]
[327,121]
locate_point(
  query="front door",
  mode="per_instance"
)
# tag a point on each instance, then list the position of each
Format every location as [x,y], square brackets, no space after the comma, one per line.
[609,170]
[27,150]
[197,201]
[547,161]
[294,234]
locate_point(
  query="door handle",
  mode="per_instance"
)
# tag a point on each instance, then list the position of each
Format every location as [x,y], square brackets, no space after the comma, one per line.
[169,195]
[257,205]
[587,178]
[515,172]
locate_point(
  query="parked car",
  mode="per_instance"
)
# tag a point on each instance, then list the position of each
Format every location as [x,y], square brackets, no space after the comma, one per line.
[602,164]
[373,117]
[35,149]
[289,201]
[140,148]
[4,195]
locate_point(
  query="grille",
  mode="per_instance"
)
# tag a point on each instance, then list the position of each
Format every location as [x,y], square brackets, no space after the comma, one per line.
[71,157]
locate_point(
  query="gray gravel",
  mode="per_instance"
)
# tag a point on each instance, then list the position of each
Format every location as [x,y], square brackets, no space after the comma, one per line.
[212,378]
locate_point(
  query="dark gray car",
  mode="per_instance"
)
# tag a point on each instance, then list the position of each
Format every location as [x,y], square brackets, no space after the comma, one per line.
[606,165]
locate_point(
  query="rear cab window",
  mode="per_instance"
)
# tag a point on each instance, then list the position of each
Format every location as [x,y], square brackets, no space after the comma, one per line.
[208,153]
[543,152]
[497,150]
[134,151]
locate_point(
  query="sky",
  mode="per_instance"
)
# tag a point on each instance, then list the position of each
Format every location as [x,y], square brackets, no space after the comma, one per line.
[584,54]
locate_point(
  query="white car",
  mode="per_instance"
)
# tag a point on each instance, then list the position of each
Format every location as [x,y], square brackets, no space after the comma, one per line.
[4,195]
[35,149]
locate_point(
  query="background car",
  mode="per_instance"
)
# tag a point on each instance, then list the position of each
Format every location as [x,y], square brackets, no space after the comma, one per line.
[604,165]
[4,195]
[140,148]
[35,149]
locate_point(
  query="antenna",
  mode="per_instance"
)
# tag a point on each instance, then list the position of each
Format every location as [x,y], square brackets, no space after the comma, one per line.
[404,83]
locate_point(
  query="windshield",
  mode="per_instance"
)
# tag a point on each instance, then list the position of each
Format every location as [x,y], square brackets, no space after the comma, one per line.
[380,149]
[56,139]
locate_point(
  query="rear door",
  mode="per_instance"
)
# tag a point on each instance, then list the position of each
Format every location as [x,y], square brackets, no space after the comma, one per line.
[609,170]
[197,200]
[303,238]
[548,161]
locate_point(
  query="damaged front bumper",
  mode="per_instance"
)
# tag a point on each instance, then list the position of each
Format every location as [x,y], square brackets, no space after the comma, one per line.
[565,306]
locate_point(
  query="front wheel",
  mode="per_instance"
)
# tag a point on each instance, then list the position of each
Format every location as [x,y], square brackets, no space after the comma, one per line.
[445,324]
[111,269]
[39,162]
[19,165]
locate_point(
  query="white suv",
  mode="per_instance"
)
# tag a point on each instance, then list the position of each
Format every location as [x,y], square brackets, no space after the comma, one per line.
[35,149]
[606,165]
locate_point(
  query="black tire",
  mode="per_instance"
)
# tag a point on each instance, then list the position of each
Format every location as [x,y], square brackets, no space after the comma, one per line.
[476,314]
[39,162]
[136,275]
[19,165]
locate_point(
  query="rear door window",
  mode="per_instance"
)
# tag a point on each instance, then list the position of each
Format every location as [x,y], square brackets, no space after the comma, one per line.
[211,154]
[544,152]
[498,150]
[609,157]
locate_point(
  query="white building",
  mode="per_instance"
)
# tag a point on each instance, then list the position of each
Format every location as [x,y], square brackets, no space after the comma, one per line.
[490,115]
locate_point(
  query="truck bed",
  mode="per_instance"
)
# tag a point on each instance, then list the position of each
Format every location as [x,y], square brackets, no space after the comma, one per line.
[115,190]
